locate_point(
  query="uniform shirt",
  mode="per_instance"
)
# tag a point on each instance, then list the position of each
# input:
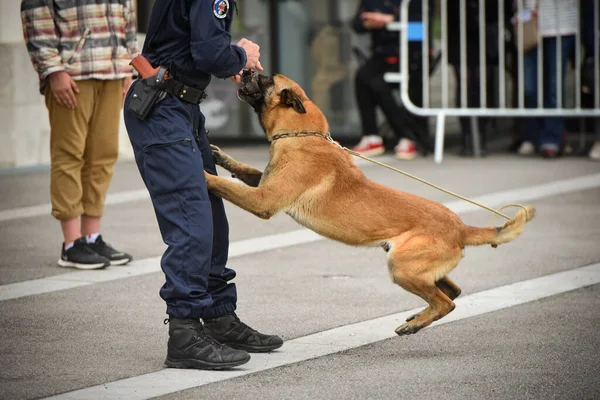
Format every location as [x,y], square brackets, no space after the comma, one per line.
[189,38]
[89,39]
[386,43]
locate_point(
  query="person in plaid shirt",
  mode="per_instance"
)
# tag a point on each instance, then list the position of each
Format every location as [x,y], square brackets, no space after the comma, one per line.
[81,50]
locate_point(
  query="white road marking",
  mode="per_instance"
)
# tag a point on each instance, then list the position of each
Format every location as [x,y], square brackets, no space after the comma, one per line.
[112,199]
[335,340]
[278,241]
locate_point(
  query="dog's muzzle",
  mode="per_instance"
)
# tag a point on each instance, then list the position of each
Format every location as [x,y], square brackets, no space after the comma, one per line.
[250,91]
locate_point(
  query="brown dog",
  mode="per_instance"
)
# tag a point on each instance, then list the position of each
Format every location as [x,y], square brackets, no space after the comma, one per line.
[316,182]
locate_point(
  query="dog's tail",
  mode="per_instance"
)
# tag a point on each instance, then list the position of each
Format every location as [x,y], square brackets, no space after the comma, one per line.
[475,236]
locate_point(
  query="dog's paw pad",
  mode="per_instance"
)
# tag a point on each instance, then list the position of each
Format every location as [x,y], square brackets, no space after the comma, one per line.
[407,329]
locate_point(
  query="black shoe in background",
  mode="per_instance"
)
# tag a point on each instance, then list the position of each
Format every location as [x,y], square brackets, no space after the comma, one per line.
[229,330]
[190,347]
[81,256]
[105,250]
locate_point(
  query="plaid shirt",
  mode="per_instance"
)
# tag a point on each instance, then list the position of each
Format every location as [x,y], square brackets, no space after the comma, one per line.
[89,39]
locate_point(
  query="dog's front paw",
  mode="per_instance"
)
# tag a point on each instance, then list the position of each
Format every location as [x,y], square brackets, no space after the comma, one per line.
[221,158]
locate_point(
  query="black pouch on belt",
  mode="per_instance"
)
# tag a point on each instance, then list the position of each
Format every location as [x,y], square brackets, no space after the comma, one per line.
[146,94]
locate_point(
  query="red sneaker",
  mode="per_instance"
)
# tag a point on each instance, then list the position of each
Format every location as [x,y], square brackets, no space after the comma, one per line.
[370,146]
[405,149]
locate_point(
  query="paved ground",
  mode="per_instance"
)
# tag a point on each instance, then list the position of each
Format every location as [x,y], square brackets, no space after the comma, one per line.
[108,326]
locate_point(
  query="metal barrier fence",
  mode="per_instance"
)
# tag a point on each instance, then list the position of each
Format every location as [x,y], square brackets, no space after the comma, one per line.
[419,31]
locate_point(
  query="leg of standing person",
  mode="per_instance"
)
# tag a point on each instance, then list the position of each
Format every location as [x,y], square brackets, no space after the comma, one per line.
[552,132]
[171,165]
[68,135]
[465,122]
[399,119]
[371,144]
[100,155]
[415,91]
[474,100]
[530,126]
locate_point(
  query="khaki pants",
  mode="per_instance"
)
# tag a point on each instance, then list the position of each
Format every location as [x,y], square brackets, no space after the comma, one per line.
[84,145]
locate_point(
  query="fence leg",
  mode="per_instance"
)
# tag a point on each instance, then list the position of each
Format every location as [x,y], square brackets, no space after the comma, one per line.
[439,138]
[475,137]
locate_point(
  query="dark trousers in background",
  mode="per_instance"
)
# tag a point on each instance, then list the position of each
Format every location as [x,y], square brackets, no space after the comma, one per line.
[373,91]
[172,150]
[473,86]
[545,130]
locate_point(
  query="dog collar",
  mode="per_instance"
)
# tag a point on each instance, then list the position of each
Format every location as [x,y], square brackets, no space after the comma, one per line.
[326,136]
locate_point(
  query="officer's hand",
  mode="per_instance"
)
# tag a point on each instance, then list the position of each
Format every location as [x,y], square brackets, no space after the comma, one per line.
[64,88]
[126,85]
[252,54]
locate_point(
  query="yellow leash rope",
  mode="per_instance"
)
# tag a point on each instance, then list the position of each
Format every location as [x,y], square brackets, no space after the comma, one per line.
[497,212]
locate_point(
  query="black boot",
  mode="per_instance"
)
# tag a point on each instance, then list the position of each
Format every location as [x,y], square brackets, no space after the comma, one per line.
[229,330]
[190,347]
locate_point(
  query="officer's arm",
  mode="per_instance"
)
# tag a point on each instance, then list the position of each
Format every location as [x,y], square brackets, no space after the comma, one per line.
[210,43]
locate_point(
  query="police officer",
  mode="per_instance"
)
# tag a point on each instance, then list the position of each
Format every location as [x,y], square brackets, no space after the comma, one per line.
[371,89]
[191,39]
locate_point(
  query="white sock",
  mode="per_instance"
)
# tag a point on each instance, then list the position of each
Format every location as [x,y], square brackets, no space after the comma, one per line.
[92,237]
[68,246]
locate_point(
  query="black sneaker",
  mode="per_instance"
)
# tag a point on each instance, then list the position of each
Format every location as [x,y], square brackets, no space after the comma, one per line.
[105,250]
[190,347]
[234,333]
[81,256]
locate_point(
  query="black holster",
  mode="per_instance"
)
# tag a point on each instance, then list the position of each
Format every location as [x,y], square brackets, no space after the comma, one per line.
[146,94]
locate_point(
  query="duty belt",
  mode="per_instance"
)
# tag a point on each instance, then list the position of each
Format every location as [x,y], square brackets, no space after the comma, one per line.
[182,91]
[154,86]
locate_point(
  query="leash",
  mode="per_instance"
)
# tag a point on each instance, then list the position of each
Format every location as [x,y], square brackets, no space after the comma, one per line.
[328,137]
[497,212]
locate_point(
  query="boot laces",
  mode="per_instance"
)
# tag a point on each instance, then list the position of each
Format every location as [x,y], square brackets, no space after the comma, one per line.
[201,335]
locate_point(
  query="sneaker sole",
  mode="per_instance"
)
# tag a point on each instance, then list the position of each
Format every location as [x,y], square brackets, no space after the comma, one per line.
[254,349]
[120,262]
[406,157]
[70,264]
[191,363]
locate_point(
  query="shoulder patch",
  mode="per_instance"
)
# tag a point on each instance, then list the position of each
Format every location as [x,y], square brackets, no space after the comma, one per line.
[221,8]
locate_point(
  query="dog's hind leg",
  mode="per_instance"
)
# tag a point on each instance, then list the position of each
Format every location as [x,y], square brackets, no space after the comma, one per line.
[417,266]
[449,287]
[446,285]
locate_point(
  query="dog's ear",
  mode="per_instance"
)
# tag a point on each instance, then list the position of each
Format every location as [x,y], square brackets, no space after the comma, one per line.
[291,99]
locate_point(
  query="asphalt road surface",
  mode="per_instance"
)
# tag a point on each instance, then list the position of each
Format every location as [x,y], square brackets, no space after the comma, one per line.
[527,325]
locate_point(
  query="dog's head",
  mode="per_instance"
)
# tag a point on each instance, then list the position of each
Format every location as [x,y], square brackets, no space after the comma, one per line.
[277,100]
[267,92]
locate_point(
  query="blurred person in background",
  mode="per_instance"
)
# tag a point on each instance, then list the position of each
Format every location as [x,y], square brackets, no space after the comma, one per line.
[472,62]
[555,19]
[373,91]
[81,52]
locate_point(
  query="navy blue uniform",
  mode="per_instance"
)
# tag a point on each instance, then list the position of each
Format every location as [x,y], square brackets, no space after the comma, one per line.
[191,38]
